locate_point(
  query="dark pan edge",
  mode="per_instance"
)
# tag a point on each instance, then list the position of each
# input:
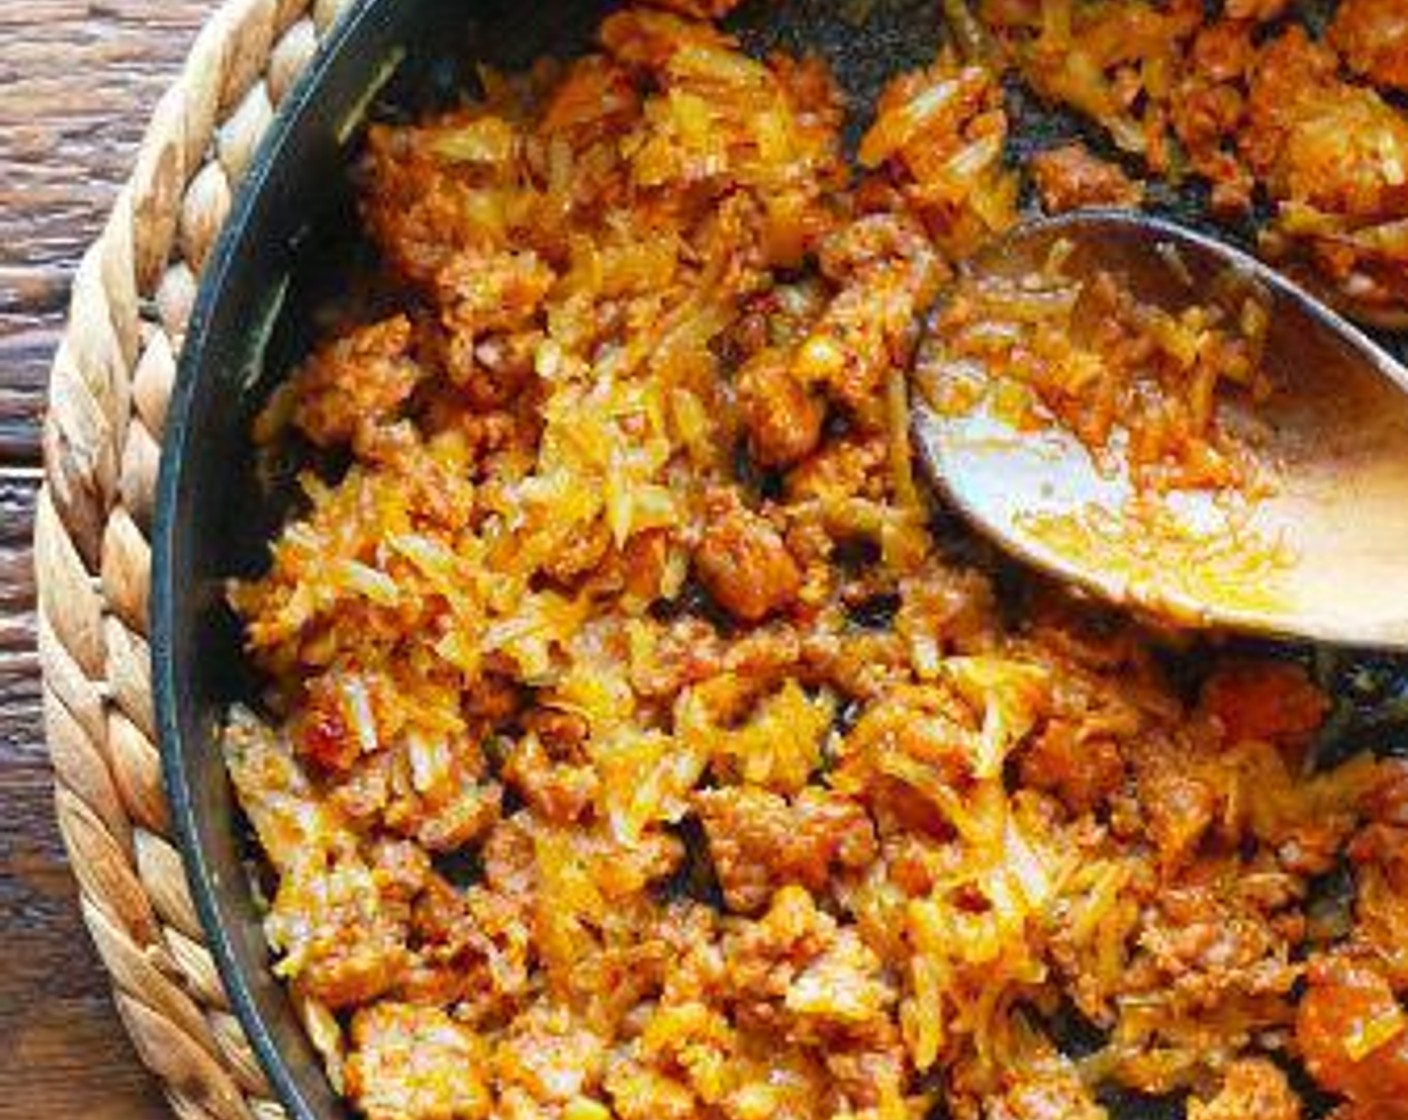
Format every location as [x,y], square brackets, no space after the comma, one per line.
[294,114]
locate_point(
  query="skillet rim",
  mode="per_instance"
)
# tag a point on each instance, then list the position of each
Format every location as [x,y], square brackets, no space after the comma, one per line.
[195,377]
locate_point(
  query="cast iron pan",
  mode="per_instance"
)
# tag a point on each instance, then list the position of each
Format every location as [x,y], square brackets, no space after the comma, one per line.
[289,246]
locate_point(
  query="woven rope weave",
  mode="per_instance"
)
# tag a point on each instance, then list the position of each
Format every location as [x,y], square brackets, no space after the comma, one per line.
[110,383]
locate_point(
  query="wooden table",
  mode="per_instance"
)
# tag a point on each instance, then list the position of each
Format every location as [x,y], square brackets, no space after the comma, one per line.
[77,81]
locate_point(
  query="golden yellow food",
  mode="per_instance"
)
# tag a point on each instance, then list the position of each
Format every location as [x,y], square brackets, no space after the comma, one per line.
[1257,109]
[633,746]
[1070,177]
[1132,381]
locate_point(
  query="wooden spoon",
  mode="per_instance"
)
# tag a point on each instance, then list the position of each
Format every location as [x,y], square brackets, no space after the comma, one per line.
[1323,556]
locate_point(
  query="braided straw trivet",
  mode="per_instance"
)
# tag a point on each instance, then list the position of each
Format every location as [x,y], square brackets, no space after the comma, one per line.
[111,379]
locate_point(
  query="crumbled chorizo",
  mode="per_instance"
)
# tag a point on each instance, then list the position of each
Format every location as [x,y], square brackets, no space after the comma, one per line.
[742,561]
[355,383]
[1273,701]
[341,931]
[551,1057]
[1081,770]
[782,418]
[841,468]
[1261,11]
[765,956]
[1372,36]
[1313,132]
[868,328]
[758,842]
[844,989]
[1047,1090]
[557,790]
[944,609]
[1071,177]
[490,302]
[1353,1035]
[876,239]
[416,1063]
[1253,1088]
[1180,805]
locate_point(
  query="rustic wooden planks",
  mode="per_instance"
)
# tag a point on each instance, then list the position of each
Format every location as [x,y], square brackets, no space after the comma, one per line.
[77,81]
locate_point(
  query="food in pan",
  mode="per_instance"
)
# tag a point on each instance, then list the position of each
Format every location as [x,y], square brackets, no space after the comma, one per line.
[1131,381]
[640,742]
[1254,106]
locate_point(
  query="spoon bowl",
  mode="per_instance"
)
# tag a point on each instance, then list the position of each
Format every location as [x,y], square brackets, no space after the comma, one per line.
[1322,554]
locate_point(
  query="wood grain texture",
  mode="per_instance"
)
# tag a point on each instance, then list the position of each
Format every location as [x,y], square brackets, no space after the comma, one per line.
[78,79]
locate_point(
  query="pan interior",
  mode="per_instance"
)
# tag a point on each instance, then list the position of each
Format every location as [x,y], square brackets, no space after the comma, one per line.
[289,249]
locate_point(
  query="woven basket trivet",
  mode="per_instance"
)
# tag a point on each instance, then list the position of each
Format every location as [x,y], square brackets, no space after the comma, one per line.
[111,379]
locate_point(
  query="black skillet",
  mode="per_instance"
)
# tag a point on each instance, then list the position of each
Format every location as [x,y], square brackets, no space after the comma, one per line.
[289,245]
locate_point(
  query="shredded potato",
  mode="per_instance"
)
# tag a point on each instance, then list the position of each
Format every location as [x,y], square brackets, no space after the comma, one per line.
[1258,114]
[1125,377]
[632,748]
